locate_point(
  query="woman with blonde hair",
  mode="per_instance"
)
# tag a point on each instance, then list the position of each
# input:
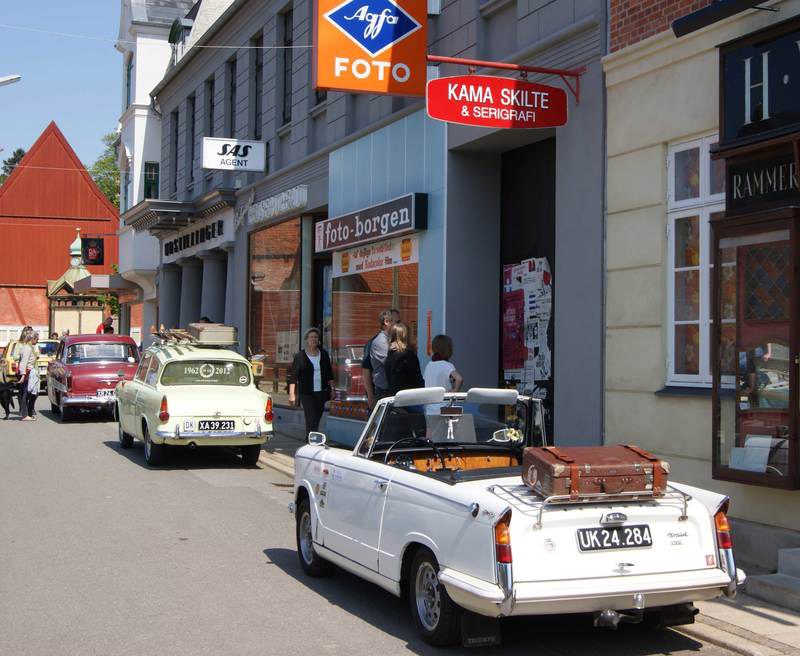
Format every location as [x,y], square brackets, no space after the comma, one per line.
[402,363]
[29,375]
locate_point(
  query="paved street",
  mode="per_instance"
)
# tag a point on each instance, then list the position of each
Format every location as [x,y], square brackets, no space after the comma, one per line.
[102,555]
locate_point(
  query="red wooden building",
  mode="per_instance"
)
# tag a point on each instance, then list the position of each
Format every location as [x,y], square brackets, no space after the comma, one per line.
[42,202]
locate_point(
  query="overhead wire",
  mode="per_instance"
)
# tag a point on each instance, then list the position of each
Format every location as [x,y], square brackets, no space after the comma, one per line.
[89,37]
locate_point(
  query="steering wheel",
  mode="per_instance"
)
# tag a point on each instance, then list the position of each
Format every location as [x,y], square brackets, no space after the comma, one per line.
[419,440]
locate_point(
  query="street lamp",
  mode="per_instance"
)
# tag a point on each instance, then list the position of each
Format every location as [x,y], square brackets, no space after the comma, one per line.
[9,79]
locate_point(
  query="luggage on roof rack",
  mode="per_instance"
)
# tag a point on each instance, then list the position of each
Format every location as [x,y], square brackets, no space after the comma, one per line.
[214,334]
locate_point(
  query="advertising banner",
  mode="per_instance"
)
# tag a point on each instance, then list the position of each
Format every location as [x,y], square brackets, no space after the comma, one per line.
[92,251]
[371,46]
[234,154]
[496,102]
[373,257]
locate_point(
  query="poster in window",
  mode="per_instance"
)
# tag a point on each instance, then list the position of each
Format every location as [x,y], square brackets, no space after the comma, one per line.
[92,251]
[514,351]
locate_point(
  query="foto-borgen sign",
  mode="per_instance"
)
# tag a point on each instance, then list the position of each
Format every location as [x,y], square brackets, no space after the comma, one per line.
[390,219]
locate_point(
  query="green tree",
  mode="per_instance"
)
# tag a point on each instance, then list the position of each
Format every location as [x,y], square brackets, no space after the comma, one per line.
[10,162]
[105,171]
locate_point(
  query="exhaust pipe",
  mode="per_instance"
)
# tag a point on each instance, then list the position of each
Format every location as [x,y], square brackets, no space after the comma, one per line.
[192,445]
[610,619]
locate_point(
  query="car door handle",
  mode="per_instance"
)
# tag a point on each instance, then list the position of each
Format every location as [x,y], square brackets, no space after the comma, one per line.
[380,484]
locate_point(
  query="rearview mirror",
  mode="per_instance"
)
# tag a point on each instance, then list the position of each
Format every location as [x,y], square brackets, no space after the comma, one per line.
[501,435]
[317,439]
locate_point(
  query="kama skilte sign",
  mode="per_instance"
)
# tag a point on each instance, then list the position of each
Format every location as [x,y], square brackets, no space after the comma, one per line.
[496,102]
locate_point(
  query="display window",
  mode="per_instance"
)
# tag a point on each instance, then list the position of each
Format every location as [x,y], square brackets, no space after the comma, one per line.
[755,373]
[357,300]
[275,302]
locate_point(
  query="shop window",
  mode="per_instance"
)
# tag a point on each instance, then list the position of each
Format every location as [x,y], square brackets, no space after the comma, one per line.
[753,416]
[696,193]
[275,300]
[357,301]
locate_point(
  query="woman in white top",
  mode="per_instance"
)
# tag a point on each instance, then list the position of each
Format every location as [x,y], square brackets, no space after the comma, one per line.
[311,378]
[440,372]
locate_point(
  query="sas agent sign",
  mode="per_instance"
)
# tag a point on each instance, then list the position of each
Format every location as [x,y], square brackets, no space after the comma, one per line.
[234,154]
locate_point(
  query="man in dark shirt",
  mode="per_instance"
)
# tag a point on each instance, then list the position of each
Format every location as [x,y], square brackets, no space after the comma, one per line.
[375,352]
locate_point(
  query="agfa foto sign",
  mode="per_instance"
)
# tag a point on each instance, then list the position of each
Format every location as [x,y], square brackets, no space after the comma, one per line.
[234,154]
[371,46]
[496,102]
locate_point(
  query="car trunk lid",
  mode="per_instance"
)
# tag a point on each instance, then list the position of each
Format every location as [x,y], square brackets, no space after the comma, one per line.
[90,377]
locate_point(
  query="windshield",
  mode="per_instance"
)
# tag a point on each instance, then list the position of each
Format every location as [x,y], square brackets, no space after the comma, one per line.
[457,422]
[47,348]
[204,372]
[101,352]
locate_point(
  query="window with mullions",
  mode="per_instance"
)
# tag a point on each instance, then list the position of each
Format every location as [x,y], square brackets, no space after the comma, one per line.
[232,98]
[190,138]
[151,179]
[174,149]
[129,81]
[696,193]
[288,55]
[209,127]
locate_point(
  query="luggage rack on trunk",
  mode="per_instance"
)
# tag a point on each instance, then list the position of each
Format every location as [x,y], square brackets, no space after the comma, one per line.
[538,503]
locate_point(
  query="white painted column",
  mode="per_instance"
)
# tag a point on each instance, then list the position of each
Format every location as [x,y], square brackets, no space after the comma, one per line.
[215,274]
[149,319]
[230,289]
[191,289]
[169,295]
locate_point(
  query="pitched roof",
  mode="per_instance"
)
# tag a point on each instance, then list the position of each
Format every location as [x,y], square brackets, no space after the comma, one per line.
[159,11]
[64,191]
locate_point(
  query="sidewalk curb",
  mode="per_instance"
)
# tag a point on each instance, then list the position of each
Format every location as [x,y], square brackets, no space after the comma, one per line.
[732,638]
[278,461]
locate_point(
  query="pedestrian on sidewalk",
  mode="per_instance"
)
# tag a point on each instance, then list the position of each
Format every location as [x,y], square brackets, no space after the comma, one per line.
[107,327]
[375,352]
[24,338]
[440,372]
[30,378]
[311,378]
[402,363]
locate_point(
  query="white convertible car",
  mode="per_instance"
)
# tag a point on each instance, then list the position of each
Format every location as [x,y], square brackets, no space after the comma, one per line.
[430,504]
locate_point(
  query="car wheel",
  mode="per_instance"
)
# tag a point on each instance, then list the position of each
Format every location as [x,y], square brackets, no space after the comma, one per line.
[125,440]
[250,454]
[65,412]
[54,408]
[436,616]
[310,561]
[153,453]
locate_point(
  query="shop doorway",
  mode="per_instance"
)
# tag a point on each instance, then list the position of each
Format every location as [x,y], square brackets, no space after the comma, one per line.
[527,237]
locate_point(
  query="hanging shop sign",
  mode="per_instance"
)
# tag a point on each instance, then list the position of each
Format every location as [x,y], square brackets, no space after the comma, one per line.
[496,102]
[395,217]
[286,202]
[200,236]
[234,154]
[759,84]
[373,257]
[371,46]
[92,251]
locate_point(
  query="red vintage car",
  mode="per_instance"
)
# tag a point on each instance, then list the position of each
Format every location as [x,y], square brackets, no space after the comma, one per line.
[86,370]
[347,374]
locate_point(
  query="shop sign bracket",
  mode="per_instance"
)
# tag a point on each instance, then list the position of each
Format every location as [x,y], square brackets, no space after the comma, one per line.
[564,73]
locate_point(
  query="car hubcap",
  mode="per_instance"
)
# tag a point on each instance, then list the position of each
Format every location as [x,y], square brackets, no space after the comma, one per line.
[306,546]
[429,603]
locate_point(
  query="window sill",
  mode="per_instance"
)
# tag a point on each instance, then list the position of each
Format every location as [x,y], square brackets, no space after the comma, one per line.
[319,109]
[690,392]
[491,7]
[285,129]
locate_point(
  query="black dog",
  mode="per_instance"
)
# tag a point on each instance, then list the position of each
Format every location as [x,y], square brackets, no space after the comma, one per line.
[7,393]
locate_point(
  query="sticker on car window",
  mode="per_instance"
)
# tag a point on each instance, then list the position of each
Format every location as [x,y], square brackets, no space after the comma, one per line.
[243,380]
[207,370]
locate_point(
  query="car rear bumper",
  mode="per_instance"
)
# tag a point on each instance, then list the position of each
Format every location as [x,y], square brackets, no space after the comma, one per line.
[584,596]
[88,401]
[212,438]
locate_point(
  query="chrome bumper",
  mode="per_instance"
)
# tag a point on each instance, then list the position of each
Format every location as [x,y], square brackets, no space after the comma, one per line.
[199,435]
[88,400]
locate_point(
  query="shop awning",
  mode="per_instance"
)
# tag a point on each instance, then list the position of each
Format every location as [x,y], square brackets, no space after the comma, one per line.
[99,283]
[158,215]
[713,13]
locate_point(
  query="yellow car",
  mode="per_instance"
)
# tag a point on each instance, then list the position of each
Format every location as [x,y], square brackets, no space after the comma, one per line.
[10,364]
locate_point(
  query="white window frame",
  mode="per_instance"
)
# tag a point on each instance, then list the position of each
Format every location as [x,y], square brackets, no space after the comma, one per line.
[702,207]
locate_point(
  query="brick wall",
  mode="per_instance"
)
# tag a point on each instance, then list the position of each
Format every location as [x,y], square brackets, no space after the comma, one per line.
[632,21]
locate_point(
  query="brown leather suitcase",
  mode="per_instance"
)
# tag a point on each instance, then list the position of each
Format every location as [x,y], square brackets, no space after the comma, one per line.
[588,470]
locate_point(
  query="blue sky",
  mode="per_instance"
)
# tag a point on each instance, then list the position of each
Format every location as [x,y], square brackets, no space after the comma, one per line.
[75,82]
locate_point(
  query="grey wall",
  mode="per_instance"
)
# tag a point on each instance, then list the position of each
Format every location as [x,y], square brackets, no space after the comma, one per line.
[472,276]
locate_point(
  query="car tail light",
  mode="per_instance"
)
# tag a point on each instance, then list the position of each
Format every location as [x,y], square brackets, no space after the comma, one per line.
[163,413]
[502,539]
[268,415]
[724,540]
